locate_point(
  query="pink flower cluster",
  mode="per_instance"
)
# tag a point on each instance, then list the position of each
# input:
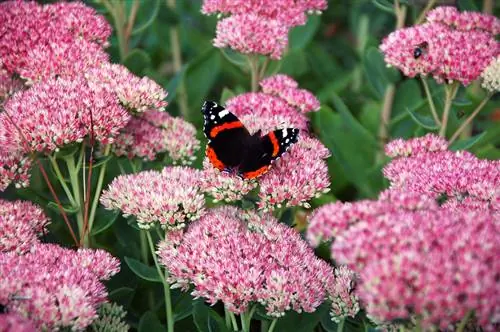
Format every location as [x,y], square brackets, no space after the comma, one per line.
[458,178]
[447,52]
[341,293]
[240,258]
[14,168]
[55,287]
[171,197]
[257,27]
[20,224]
[40,41]
[154,132]
[13,322]
[466,20]
[295,178]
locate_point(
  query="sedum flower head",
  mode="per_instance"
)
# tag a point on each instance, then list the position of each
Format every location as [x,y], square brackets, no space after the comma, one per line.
[57,112]
[13,322]
[466,20]
[20,224]
[491,76]
[51,286]
[171,197]
[110,319]
[250,34]
[155,132]
[14,168]
[239,257]
[345,302]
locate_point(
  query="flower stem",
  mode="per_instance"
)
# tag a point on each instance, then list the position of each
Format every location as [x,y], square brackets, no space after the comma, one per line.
[428,7]
[385,117]
[227,318]
[253,61]
[243,319]
[166,287]
[340,325]
[75,186]
[431,101]
[470,118]
[464,321]
[233,321]
[61,179]
[273,324]
[450,93]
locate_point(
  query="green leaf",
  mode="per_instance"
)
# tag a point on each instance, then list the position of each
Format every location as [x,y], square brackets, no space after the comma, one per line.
[122,295]
[142,270]
[100,161]
[174,84]
[67,151]
[69,209]
[146,16]
[273,68]
[467,5]
[385,5]
[462,101]
[424,121]
[379,76]
[235,58]
[207,319]
[303,322]
[104,219]
[226,94]
[467,143]
[137,61]
[302,35]
[183,307]
[150,323]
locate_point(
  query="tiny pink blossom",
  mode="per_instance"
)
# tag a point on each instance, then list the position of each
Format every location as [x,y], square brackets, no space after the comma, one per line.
[155,132]
[172,197]
[464,21]
[20,224]
[404,148]
[286,88]
[226,259]
[274,84]
[252,34]
[345,302]
[14,168]
[13,322]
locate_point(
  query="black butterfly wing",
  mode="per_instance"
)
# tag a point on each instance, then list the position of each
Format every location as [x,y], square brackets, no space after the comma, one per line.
[270,148]
[228,138]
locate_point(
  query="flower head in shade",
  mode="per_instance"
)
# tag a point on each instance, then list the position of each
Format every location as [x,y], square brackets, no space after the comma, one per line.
[13,322]
[451,177]
[29,27]
[49,285]
[239,258]
[286,88]
[491,76]
[57,112]
[256,105]
[341,292]
[464,21]
[438,50]
[20,224]
[250,34]
[136,94]
[171,197]
[111,318]
[155,132]
[437,264]
[296,178]
[14,168]
[8,83]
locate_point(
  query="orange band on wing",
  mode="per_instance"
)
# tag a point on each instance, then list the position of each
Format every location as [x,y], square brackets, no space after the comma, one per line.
[254,174]
[276,145]
[230,125]
[213,159]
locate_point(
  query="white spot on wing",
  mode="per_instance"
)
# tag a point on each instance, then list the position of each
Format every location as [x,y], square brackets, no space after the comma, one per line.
[223,113]
[212,116]
[285,132]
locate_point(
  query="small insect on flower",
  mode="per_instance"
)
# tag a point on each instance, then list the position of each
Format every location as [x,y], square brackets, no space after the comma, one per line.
[420,49]
[231,147]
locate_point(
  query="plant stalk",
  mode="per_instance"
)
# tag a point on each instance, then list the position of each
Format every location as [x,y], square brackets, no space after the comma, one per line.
[75,186]
[61,179]
[431,101]
[424,12]
[273,324]
[450,93]
[471,117]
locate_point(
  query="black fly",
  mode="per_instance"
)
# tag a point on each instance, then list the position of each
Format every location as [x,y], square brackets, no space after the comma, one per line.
[420,49]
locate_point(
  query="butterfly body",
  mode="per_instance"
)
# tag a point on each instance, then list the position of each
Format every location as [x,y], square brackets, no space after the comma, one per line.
[232,148]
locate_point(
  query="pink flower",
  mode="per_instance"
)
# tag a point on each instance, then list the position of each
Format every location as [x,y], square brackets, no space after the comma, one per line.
[136,94]
[286,88]
[403,148]
[8,83]
[13,322]
[50,284]
[464,21]
[20,224]
[341,292]
[289,13]
[438,50]
[259,105]
[14,168]
[172,197]
[155,132]
[27,27]
[252,34]
[226,259]
[58,112]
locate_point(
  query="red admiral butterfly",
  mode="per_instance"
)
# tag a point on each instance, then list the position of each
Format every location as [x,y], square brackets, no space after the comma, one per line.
[232,148]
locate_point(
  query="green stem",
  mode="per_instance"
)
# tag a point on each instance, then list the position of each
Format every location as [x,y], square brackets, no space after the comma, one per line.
[227,318]
[75,185]
[233,321]
[166,287]
[61,179]
[450,93]
[264,325]
[273,324]
[243,318]
[422,15]
[254,71]
[97,193]
[340,325]
[463,323]
[430,100]
[145,260]
[470,118]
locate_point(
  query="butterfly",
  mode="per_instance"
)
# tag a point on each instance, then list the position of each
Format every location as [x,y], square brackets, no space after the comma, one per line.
[231,147]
